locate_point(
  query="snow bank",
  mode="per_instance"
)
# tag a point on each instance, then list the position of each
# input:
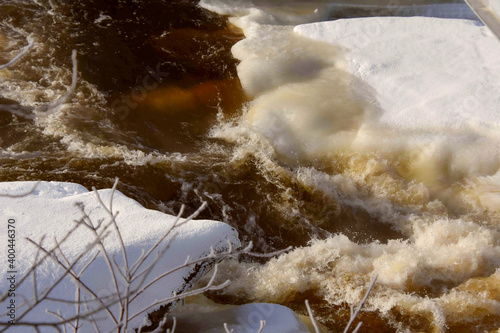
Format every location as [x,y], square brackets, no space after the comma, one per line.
[51,211]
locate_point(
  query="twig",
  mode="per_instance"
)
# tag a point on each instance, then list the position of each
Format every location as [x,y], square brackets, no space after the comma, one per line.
[174,325]
[313,321]
[91,318]
[35,291]
[68,271]
[141,259]
[106,257]
[124,304]
[48,254]
[54,107]
[21,54]
[59,316]
[208,287]
[354,314]
[137,273]
[357,327]
[226,328]
[262,325]
[187,264]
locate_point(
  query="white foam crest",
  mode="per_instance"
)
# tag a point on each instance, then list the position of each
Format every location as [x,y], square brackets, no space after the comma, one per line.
[247,13]
[9,153]
[49,112]
[439,257]
[130,156]
[406,110]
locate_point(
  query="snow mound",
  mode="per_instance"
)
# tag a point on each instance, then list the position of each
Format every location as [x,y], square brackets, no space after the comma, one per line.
[53,210]
[243,318]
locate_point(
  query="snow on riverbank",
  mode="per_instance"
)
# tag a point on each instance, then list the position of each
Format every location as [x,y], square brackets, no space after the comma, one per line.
[51,211]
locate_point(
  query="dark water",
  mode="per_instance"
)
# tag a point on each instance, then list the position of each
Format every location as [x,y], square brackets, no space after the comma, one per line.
[154,78]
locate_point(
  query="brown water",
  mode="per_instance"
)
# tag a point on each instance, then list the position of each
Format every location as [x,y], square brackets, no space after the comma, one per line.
[155,79]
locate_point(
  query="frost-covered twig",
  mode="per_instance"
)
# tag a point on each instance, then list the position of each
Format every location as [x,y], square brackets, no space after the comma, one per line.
[353,316]
[211,256]
[210,286]
[124,303]
[313,321]
[355,313]
[50,108]
[226,328]
[31,42]
[38,263]
[68,270]
[91,318]
[262,326]
[55,106]
[168,331]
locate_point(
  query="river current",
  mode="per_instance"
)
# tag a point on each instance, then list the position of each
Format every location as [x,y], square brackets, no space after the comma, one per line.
[160,105]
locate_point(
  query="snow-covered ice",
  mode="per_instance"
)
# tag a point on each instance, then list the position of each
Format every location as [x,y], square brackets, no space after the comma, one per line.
[445,69]
[242,318]
[51,211]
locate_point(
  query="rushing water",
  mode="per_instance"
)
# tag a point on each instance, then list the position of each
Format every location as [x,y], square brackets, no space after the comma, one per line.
[159,104]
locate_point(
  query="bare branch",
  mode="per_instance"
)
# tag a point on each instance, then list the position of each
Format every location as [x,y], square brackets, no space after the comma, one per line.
[138,273]
[54,107]
[91,318]
[226,328]
[59,316]
[106,257]
[212,255]
[48,254]
[174,325]
[69,271]
[313,321]
[141,259]
[262,325]
[208,287]
[357,327]
[31,42]
[35,291]
[354,315]
[124,304]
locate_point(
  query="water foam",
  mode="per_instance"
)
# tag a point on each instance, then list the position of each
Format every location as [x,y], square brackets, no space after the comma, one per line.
[367,88]
[393,116]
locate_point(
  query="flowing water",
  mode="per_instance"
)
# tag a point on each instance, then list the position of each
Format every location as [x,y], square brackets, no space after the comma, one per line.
[160,104]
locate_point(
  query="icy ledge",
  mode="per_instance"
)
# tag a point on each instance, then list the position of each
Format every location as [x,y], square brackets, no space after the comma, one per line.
[53,210]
